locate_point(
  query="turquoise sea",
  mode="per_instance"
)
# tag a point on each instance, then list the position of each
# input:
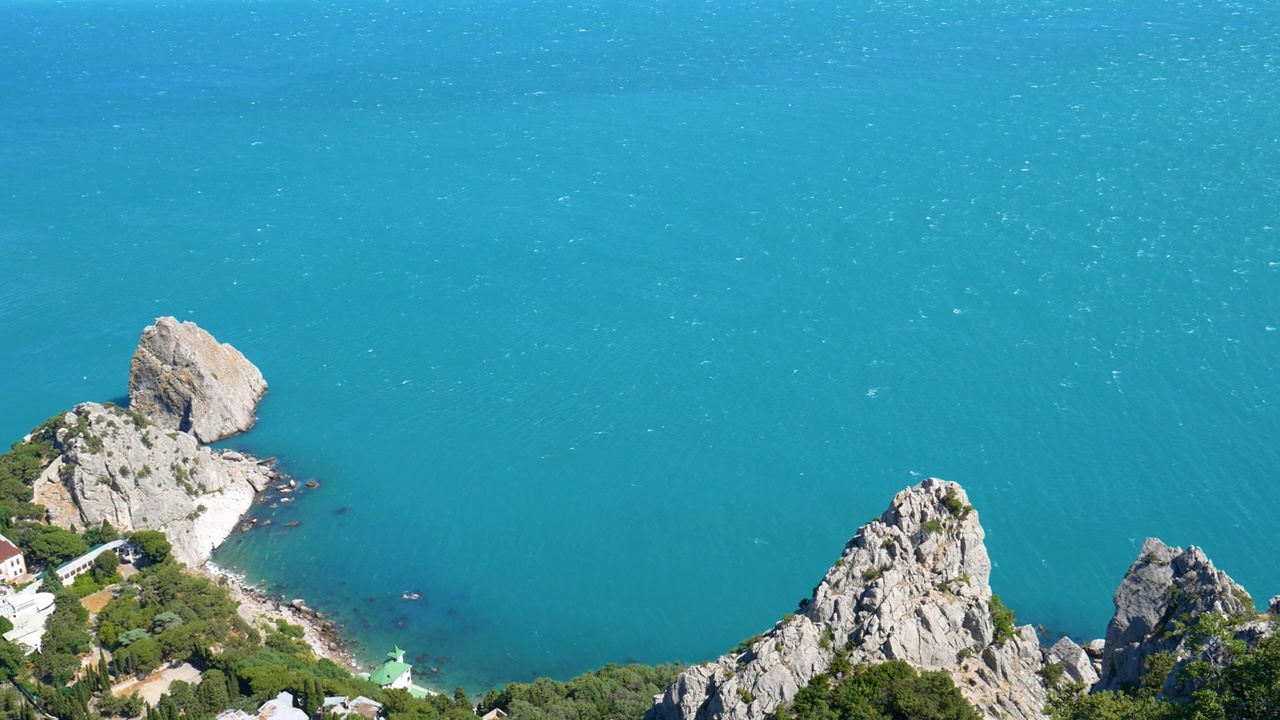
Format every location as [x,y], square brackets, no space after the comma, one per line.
[605,324]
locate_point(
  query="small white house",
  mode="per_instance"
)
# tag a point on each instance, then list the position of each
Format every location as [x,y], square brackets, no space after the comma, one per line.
[281,708]
[343,706]
[12,564]
[278,708]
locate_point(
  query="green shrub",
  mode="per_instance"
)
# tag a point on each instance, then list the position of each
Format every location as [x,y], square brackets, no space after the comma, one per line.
[1052,673]
[745,645]
[955,506]
[1002,619]
[889,690]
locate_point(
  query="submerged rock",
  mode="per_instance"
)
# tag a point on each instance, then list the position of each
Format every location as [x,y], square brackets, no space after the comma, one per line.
[182,379]
[911,585]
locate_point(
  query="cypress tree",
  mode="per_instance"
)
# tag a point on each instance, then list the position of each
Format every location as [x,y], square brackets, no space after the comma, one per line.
[104,674]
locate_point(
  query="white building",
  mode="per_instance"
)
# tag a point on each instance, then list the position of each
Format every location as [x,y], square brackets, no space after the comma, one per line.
[278,708]
[343,706]
[12,564]
[27,610]
[395,672]
[281,708]
[68,572]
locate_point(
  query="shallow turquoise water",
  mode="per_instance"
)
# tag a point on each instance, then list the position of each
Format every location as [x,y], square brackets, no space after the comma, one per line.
[605,325]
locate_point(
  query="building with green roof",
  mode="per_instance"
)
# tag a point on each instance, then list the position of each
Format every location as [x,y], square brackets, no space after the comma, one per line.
[395,672]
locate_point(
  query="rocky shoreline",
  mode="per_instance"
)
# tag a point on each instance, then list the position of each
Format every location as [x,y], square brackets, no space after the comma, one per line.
[149,466]
[256,606]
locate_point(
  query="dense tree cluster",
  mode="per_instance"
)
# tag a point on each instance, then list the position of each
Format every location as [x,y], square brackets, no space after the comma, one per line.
[614,692]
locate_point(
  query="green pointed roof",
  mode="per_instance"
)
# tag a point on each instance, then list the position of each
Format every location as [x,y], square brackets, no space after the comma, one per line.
[397,654]
[389,671]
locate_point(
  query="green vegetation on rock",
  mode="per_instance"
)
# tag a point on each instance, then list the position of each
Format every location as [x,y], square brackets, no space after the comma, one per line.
[891,690]
[1002,618]
[1230,679]
[21,467]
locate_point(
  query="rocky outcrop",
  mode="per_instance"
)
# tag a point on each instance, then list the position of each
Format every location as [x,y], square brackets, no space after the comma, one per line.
[182,379]
[116,465]
[1164,592]
[912,585]
[1076,663]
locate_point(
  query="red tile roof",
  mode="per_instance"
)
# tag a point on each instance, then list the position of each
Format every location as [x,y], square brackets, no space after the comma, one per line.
[8,550]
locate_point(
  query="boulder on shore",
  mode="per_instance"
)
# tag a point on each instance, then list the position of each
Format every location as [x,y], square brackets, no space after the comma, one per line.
[182,379]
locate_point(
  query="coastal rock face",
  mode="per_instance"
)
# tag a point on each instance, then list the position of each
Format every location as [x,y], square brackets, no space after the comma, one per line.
[117,466]
[1163,586]
[912,585]
[182,379]
[1075,661]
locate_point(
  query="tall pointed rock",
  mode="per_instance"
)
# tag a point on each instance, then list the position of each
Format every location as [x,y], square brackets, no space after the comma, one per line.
[181,378]
[911,585]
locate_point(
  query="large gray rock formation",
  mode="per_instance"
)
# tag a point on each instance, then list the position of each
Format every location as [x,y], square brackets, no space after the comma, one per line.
[1164,592]
[182,379]
[117,466]
[912,585]
[1076,664]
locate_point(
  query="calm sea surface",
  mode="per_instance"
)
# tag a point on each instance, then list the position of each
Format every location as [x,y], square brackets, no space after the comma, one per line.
[606,324]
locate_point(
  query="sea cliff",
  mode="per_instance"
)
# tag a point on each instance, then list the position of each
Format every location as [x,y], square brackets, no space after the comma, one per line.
[146,467]
[114,465]
[912,585]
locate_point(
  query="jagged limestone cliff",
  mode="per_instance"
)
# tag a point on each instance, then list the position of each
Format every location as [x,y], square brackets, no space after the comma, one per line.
[1162,596]
[912,585]
[117,466]
[181,378]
